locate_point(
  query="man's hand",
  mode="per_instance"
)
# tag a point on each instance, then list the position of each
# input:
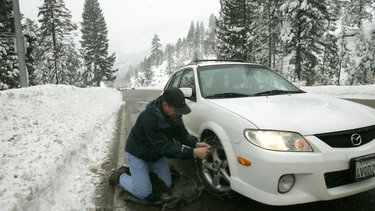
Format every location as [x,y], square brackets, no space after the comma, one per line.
[202,144]
[202,151]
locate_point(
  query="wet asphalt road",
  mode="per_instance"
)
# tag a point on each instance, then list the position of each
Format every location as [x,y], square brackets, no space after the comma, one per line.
[136,100]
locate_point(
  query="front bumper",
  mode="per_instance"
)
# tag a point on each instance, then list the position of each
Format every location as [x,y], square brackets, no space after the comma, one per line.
[260,180]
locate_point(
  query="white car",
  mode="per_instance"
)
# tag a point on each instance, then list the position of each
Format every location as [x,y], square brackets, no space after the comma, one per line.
[271,141]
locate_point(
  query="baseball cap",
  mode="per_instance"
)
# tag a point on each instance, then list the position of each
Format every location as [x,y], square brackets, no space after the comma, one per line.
[175,98]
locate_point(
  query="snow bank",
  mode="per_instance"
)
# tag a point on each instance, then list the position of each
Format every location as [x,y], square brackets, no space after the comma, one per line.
[348,92]
[53,140]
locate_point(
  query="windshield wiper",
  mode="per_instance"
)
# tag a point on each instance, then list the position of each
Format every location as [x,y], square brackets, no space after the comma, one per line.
[276,92]
[227,95]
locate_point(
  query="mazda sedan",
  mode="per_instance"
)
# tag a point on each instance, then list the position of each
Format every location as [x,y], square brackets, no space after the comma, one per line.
[272,142]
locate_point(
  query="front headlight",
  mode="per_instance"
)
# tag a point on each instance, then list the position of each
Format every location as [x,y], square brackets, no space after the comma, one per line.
[278,140]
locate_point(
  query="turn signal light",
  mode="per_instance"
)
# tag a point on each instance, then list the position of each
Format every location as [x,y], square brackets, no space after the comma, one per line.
[243,161]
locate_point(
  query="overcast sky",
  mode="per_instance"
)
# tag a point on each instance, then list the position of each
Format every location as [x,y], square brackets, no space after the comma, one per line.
[132,23]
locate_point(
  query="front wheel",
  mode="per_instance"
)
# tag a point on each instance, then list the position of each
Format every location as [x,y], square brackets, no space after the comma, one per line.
[213,171]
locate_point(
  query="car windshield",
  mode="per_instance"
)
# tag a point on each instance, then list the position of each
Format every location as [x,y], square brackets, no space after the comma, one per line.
[242,80]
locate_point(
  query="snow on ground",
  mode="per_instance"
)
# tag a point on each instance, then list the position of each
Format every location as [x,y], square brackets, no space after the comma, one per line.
[348,92]
[53,140]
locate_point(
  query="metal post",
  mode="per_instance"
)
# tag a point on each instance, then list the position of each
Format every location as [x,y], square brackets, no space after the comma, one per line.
[24,82]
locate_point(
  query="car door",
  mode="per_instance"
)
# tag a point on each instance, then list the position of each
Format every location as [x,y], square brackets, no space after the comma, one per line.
[188,81]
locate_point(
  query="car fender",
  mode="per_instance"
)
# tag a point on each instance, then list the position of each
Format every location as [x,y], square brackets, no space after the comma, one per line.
[225,142]
[215,128]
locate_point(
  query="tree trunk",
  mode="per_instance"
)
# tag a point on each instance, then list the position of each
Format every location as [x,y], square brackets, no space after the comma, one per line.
[269,35]
[341,56]
[54,46]
[245,56]
[298,62]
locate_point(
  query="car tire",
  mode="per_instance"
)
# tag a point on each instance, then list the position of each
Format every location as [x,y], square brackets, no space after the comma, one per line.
[213,171]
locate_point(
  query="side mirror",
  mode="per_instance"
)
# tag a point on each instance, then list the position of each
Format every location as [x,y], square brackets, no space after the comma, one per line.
[188,92]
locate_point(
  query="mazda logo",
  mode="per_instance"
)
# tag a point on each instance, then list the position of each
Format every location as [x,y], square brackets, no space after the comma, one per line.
[356,139]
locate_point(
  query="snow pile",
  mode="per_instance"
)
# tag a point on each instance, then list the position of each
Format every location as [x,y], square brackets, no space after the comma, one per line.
[53,140]
[348,92]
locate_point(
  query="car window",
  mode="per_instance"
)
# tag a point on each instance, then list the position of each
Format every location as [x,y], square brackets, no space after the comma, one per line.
[241,80]
[175,80]
[187,80]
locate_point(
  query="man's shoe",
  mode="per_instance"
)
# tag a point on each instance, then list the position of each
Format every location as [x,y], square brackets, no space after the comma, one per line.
[115,177]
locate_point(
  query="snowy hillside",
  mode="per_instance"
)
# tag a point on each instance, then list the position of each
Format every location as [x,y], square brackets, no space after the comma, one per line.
[160,78]
[53,140]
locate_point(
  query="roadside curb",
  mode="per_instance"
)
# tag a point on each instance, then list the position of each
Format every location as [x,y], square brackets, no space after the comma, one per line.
[119,204]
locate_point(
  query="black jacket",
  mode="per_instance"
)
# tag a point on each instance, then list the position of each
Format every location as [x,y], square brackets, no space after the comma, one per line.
[151,138]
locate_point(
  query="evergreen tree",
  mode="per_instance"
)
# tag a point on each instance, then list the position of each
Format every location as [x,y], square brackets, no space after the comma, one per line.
[329,64]
[345,55]
[209,41]
[169,52]
[178,47]
[365,50]
[198,41]
[358,11]
[352,61]
[9,74]
[156,52]
[346,61]
[307,19]
[98,65]
[190,39]
[273,18]
[260,31]
[30,32]
[148,74]
[56,41]
[234,29]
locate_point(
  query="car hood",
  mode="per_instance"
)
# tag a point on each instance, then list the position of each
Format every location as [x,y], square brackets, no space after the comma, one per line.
[304,113]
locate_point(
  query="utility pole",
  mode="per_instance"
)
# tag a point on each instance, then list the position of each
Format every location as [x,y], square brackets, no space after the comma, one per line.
[24,82]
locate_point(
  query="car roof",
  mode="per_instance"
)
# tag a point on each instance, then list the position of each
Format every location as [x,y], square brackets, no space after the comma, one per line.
[217,62]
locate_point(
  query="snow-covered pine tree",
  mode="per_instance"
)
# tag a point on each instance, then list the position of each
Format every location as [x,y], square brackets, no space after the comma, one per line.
[182,53]
[156,52]
[307,20]
[329,60]
[234,29]
[346,61]
[98,66]
[260,31]
[358,11]
[354,13]
[198,41]
[30,32]
[178,48]
[366,65]
[9,74]
[185,55]
[209,41]
[56,41]
[361,11]
[190,38]
[169,56]
[148,74]
[273,20]
[368,62]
